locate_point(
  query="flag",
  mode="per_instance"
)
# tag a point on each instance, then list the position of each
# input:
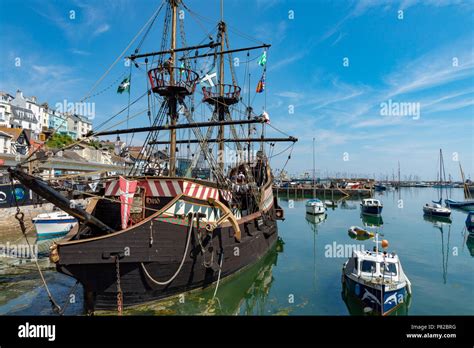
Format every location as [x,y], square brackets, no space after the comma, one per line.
[127,189]
[263,59]
[208,79]
[261,84]
[124,85]
[266,116]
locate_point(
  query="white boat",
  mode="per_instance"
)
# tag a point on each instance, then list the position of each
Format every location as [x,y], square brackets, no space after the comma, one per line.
[330,204]
[436,209]
[54,224]
[314,206]
[376,279]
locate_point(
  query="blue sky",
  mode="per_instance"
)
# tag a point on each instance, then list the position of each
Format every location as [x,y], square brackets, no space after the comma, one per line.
[427,57]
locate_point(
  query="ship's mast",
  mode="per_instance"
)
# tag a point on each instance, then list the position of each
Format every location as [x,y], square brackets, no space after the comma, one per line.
[220,108]
[172,100]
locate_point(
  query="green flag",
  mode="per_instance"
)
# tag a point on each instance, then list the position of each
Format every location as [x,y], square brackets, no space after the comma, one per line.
[263,59]
[124,85]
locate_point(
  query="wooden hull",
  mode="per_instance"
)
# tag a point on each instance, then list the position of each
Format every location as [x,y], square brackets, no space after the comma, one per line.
[159,246]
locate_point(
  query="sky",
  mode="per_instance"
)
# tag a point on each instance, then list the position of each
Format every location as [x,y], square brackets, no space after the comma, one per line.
[333,69]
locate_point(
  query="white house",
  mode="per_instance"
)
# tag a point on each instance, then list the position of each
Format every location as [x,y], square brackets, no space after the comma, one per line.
[5,108]
[26,114]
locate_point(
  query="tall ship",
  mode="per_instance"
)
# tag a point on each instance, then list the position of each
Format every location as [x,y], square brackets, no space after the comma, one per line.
[165,227]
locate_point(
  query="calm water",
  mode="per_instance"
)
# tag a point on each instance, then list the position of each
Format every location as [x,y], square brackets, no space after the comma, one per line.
[300,277]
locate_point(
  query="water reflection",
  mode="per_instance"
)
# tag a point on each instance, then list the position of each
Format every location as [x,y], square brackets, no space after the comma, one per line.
[245,293]
[470,243]
[356,307]
[371,221]
[442,224]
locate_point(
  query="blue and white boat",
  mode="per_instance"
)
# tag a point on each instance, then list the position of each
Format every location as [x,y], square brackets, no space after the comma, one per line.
[371,206]
[53,225]
[465,205]
[377,280]
[470,221]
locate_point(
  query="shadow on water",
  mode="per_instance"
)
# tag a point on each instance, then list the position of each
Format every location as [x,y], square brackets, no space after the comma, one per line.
[243,293]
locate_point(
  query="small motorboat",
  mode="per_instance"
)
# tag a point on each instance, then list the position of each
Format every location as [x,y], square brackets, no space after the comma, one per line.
[315,206]
[380,187]
[330,204]
[465,205]
[371,206]
[436,209]
[53,225]
[355,231]
[470,221]
[376,279]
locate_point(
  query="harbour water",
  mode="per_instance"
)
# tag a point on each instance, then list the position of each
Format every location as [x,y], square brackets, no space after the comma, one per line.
[302,275]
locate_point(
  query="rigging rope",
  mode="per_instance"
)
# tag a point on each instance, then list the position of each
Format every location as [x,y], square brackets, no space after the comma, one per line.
[191,225]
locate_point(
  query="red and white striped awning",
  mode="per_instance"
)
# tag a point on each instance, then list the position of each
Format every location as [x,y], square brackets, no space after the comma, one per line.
[171,188]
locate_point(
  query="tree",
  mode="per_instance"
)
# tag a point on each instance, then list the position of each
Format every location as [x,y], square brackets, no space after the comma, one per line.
[58,141]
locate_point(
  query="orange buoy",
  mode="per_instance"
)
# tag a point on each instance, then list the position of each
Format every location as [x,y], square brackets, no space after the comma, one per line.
[384,243]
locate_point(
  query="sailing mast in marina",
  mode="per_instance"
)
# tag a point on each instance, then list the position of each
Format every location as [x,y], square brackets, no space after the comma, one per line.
[314,206]
[160,230]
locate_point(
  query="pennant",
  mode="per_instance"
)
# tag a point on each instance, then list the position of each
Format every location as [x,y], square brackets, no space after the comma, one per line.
[124,85]
[261,84]
[263,59]
[127,189]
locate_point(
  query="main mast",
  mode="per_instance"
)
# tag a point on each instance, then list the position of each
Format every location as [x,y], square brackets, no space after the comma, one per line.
[220,108]
[172,100]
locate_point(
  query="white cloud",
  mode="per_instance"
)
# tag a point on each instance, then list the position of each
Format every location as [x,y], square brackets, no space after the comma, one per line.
[101,29]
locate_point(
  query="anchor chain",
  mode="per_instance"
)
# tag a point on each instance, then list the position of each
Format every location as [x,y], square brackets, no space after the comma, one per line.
[119,286]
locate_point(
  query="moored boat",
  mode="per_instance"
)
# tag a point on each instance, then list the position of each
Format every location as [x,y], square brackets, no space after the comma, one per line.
[377,280]
[465,205]
[371,206]
[315,206]
[436,210]
[470,221]
[355,231]
[53,225]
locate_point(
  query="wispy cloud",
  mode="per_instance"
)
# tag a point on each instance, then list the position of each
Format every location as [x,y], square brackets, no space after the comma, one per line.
[101,29]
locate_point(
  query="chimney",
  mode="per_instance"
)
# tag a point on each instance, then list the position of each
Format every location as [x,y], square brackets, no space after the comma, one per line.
[34,99]
[19,94]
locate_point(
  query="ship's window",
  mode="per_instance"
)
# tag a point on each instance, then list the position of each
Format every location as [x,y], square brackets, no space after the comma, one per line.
[368,266]
[356,263]
[390,268]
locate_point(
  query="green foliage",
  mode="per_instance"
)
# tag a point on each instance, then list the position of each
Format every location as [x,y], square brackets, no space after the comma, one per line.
[58,141]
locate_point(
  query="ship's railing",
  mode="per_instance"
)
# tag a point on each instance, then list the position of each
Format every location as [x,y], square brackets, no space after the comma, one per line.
[214,92]
[183,78]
